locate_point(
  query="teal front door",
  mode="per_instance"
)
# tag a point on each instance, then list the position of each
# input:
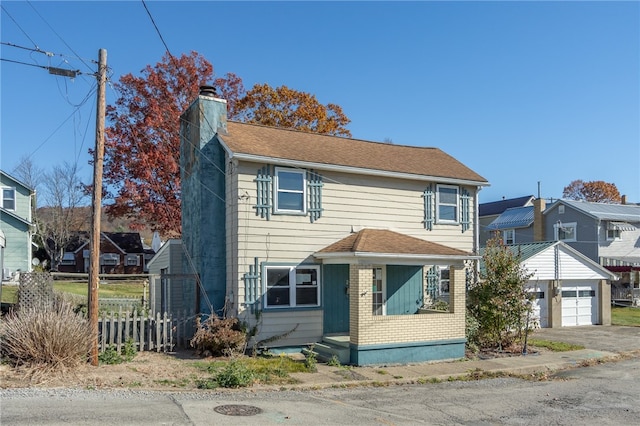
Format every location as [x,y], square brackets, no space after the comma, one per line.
[335,298]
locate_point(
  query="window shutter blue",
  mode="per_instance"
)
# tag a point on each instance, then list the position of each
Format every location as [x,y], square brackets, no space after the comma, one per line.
[428,208]
[465,214]
[263,197]
[252,286]
[315,184]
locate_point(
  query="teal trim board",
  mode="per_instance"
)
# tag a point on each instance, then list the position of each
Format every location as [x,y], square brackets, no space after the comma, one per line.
[405,353]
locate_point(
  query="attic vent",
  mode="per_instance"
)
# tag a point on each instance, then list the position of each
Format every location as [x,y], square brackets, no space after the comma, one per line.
[208,91]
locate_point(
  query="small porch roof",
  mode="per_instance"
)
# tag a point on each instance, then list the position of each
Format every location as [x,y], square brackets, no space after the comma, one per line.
[385,246]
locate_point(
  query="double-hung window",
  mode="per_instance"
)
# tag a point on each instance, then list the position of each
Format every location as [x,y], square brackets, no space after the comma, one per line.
[292,286]
[565,231]
[9,198]
[509,236]
[447,204]
[444,281]
[290,194]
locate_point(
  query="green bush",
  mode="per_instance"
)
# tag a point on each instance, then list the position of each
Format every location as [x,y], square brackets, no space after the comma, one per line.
[111,356]
[234,375]
[53,336]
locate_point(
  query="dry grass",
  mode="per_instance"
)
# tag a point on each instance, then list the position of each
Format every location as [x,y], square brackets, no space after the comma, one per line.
[45,339]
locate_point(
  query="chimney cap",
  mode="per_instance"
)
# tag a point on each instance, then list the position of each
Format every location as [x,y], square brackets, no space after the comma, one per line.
[206,90]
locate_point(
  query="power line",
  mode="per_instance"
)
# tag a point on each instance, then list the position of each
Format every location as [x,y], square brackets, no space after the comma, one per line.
[60,37]
[157,30]
[20,28]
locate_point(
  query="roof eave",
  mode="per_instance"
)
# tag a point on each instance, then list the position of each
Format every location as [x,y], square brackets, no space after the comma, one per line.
[346,169]
[356,257]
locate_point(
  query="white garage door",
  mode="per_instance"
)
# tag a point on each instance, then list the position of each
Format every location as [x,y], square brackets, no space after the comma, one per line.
[539,312]
[579,304]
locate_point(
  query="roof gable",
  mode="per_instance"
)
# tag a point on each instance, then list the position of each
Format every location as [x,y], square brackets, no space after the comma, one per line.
[602,211]
[7,176]
[257,143]
[389,242]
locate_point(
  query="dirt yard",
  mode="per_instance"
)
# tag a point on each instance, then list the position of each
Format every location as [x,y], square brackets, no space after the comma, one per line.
[148,370]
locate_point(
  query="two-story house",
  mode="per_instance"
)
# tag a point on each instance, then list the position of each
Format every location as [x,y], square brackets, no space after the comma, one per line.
[16,226]
[120,253]
[608,234]
[313,237]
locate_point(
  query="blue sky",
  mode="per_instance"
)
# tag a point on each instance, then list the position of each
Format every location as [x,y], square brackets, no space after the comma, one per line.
[521,92]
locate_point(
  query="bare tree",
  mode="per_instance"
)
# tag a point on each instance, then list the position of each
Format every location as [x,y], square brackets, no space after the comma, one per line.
[28,172]
[62,195]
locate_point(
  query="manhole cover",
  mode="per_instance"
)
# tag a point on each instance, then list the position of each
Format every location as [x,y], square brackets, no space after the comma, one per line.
[237,410]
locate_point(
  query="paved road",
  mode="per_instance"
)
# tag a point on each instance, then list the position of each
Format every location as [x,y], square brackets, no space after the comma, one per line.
[605,394]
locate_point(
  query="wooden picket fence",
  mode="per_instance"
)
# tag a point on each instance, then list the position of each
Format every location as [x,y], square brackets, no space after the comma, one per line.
[160,333]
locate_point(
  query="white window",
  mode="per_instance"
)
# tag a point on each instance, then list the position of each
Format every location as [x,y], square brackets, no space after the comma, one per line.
[444,279]
[9,198]
[447,204]
[613,234]
[561,209]
[292,286]
[290,191]
[509,236]
[565,231]
[133,260]
[110,259]
[378,292]
[68,259]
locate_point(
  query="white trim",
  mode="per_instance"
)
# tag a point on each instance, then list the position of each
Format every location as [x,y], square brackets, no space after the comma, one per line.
[383,290]
[277,191]
[569,225]
[511,231]
[292,285]
[455,205]
[2,198]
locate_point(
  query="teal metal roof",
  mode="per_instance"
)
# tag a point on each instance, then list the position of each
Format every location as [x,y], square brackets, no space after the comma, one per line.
[516,217]
[525,251]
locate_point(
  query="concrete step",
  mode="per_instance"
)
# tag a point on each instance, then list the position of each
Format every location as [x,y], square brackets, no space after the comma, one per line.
[325,352]
[338,340]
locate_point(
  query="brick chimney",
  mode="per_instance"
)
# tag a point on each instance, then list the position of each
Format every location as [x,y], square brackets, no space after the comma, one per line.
[538,219]
[623,199]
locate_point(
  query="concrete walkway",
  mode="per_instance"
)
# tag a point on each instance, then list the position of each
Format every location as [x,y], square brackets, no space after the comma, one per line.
[544,362]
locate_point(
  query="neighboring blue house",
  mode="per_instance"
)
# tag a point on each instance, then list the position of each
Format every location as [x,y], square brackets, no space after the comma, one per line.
[16,226]
[608,234]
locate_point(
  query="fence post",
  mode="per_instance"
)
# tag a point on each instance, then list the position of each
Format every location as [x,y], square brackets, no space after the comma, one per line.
[111,328]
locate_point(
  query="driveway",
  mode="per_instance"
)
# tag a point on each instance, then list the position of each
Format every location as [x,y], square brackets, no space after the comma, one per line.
[611,338]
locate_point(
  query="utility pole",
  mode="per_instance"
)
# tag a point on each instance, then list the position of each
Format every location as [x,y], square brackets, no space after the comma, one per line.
[98,159]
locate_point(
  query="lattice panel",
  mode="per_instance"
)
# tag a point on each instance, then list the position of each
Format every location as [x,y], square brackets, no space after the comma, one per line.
[35,290]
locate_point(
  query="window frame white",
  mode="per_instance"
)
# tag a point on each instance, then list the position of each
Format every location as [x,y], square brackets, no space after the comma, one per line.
[382,292]
[68,258]
[109,259]
[617,234]
[505,239]
[455,205]
[277,190]
[293,286]
[3,198]
[572,225]
[444,281]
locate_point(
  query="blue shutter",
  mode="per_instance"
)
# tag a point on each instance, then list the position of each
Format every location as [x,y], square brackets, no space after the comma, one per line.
[263,197]
[465,214]
[428,208]
[314,184]
[252,286]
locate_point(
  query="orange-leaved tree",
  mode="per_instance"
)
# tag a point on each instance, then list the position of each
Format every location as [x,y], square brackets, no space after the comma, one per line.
[285,107]
[596,191]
